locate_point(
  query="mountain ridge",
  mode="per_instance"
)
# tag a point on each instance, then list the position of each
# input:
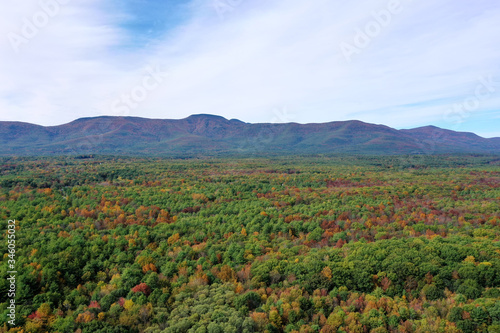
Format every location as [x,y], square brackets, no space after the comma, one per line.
[205,134]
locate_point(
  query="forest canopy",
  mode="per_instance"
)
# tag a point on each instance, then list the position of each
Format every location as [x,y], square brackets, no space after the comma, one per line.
[310,244]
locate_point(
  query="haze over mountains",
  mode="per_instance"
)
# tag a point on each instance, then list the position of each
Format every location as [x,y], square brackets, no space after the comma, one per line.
[214,135]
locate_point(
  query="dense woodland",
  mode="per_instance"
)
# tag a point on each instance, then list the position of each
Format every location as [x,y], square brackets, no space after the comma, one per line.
[310,244]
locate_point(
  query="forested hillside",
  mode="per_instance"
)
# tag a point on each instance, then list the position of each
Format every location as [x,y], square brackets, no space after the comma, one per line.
[311,244]
[208,135]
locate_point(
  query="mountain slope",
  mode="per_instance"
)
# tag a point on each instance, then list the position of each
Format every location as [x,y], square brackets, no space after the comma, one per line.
[215,135]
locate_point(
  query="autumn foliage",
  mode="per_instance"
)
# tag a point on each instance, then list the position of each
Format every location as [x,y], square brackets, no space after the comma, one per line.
[302,244]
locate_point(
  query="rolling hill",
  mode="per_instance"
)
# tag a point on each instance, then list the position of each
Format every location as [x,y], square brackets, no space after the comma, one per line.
[210,135]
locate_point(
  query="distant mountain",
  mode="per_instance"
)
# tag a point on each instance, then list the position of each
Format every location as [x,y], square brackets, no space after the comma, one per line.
[209,135]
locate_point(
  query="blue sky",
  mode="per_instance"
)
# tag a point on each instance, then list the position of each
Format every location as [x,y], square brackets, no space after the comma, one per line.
[400,63]
[147,22]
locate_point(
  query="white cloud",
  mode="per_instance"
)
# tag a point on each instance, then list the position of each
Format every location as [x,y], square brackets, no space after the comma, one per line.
[261,56]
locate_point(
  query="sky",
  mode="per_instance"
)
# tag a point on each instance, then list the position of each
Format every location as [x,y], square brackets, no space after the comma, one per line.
[401,63]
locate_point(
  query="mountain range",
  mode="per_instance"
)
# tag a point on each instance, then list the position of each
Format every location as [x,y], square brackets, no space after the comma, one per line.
[209,135]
